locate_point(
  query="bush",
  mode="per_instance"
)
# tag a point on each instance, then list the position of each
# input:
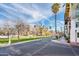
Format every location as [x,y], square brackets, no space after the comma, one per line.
[67,38]
[55,37]
[60,36]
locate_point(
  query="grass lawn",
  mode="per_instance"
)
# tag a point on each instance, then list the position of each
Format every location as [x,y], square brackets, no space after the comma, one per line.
[3,40]
[22,38]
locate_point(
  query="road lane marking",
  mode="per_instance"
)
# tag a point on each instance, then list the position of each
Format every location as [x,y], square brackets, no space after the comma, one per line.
[40,49]
[15,50]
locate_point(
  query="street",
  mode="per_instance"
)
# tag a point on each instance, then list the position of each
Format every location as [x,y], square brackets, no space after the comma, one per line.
[43,47]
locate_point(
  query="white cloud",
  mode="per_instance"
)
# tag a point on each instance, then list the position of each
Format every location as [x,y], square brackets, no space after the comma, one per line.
[35,12]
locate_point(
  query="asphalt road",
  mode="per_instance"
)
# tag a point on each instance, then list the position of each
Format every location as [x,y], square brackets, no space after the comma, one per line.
[44,47]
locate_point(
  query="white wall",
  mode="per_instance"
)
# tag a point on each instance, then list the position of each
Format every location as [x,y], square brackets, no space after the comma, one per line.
[72,32]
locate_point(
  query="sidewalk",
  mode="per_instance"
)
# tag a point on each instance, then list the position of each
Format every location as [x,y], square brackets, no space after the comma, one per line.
[74,44]
[61,40]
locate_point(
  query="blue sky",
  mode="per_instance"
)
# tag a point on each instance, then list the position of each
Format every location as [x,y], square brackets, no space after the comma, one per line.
[31,13]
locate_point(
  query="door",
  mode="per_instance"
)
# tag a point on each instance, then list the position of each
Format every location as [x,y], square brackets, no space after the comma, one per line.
[75,36]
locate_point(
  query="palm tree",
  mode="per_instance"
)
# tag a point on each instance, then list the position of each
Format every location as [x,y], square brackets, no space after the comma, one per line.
[55,9]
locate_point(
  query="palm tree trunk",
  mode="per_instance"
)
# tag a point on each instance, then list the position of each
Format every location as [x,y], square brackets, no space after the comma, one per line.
[55,24]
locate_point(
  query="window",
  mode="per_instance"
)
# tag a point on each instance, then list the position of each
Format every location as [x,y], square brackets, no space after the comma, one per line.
[77,24]
[78,34]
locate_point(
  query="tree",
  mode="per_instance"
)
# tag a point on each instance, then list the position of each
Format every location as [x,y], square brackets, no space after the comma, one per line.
[18,27]
[7,29]
[21,28]
[55,9]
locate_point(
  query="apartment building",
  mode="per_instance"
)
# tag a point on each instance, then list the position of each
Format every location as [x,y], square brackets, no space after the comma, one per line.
[74,32]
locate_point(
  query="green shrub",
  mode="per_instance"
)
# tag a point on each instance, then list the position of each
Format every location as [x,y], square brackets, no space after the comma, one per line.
[67,38]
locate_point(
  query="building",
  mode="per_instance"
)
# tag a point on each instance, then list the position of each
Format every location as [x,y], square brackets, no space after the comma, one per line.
[67,20]
[74,33]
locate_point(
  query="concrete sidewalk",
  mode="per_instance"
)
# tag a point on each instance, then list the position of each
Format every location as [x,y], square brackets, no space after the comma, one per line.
[61,40]
[74,44]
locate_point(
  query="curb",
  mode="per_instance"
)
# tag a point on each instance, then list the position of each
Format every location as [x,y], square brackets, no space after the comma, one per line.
[74,44]
[5,45]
